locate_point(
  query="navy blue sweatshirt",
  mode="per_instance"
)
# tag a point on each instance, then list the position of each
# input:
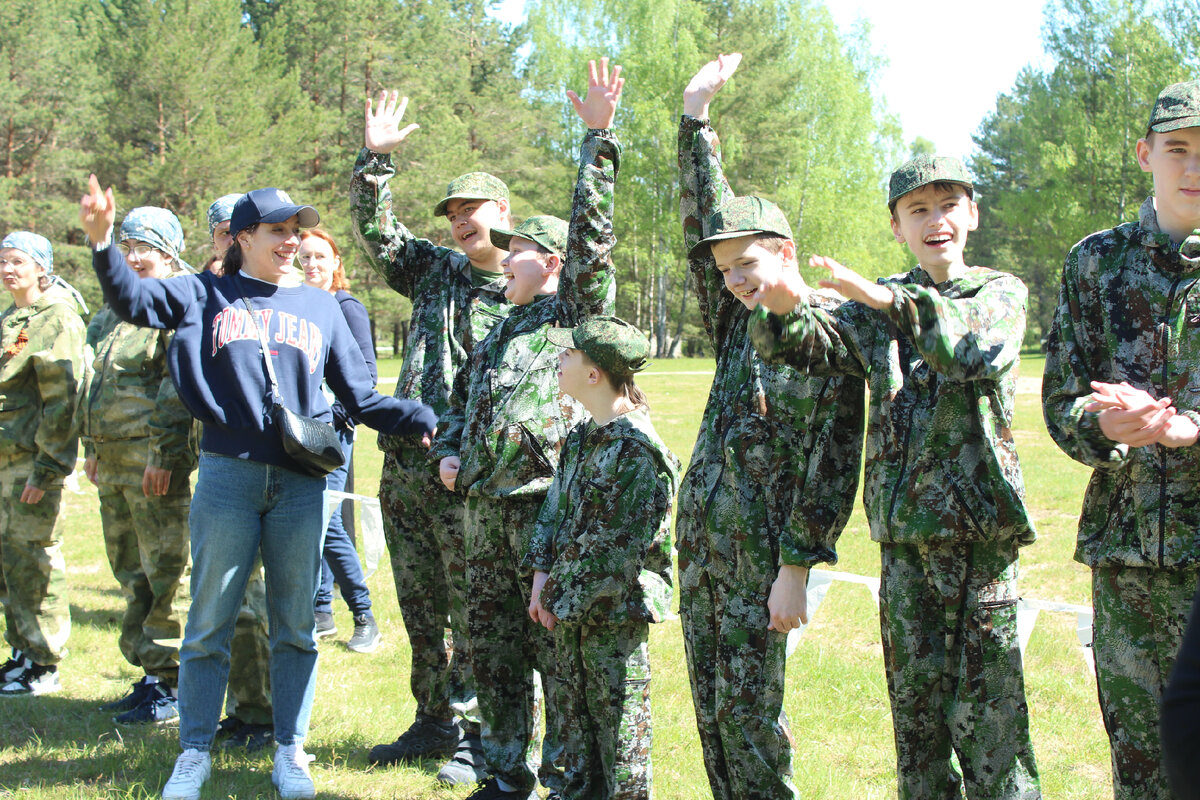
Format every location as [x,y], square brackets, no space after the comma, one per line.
[360,326]
[217,366]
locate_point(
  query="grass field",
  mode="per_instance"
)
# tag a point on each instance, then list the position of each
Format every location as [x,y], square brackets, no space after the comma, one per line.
[60,746]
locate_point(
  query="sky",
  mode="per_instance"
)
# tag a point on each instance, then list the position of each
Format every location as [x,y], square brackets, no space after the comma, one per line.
[940,94]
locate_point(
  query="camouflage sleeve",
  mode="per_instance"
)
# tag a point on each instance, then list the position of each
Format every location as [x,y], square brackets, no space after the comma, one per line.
[817,341]
[58,370]
[170,424]
[1066,382]
[973,338]
[392,251]
[539,553]
[588,286]
[702,188]
[623,504]
[453,421]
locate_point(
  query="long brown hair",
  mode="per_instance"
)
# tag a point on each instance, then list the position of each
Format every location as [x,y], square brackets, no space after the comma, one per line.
[340,282]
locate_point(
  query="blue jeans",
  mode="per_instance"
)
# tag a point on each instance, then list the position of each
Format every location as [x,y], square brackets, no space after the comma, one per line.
[340,559]
[240,508]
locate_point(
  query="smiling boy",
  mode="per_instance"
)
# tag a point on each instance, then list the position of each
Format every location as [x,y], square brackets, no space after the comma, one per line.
[939,348]
[1119,394]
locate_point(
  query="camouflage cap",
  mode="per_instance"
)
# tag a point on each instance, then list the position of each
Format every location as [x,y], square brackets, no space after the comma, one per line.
[613,344]
[924,170]
[743,216]
[549,232]
[1177,106]
[472,186]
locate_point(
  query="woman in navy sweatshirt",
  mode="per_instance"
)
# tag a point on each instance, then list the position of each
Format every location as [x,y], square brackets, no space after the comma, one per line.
[250,496]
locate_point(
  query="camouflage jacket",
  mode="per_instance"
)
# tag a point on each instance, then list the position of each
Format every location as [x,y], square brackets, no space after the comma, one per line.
[42,365]
[604,532]
[506,422]
[774,471]
[449,315]
[1124,315]
[941,364]
[130,403]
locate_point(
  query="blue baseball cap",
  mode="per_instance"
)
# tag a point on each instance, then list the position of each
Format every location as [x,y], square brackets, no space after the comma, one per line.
[269,205]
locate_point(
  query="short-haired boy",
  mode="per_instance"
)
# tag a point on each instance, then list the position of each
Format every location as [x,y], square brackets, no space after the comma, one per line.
[939,347]
[501,437]
[602,559]
[771,481]
[457,297]
[1120,395]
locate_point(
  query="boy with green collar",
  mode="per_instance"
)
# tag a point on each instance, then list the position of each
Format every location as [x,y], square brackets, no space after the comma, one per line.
[1118,394]
[772,477]
[498,443]
[939,348]
[457,297]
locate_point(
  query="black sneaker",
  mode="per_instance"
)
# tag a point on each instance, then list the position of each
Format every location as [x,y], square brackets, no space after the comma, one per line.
[325,625]
[468,766]
[248,735]
[490,790]
[141,691]
[35,679]
[427,737]
[366,634]
[15,665]
[159,708]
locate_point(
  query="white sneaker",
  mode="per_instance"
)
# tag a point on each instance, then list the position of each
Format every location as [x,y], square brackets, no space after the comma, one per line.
[192,769]
[291,776]
[36,679]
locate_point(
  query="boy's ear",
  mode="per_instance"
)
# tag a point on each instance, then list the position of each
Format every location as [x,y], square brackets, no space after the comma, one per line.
[1142,149]
[896,229]
[788,253]
[593,375]
[552,264]
[502,204]
[974,223]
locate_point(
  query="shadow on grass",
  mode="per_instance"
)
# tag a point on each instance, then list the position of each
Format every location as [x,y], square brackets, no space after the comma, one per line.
[100,618]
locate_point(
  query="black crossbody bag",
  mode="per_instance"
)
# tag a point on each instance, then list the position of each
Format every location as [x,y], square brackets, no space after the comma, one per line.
[312,444]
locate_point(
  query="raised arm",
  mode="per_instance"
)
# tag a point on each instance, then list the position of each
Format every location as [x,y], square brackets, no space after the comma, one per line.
[588,286]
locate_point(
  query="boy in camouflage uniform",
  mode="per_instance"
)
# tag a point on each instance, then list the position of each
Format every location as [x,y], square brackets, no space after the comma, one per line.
[939,347]
[42,364]
[139,449]
[1122,364]
[500,441]
[457,297]
[601,552]
[770,485]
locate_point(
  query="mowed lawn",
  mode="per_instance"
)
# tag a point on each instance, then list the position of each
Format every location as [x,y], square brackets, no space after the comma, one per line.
[61,746]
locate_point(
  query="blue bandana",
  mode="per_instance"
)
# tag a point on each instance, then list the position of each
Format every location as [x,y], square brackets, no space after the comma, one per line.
[156,227]
[220,211]
[34,245]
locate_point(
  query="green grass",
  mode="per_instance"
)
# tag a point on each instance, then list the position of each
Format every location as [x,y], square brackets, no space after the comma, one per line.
[60,746]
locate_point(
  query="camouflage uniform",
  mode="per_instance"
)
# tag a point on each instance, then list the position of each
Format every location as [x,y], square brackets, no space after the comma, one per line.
[507,424]
[1123,315]
[772,481]
[423,522]
[42,364]
[132,418]
[604,537]
[945,499]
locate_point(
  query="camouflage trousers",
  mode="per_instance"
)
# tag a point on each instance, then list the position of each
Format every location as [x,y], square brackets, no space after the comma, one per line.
[146,539]
[736,668]
[603,677]
[249,696]
[423,528]
[948,618]
[1140,617]
[33,574]
[507,646]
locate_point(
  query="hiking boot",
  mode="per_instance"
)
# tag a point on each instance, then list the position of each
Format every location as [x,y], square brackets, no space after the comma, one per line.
[159,708]
[427,737]
[192,769]
[490,790]
[252,736]
[35,679]
[16,664]
[325,625]
[290,775]
[467,766]
[366,634]
[141,692]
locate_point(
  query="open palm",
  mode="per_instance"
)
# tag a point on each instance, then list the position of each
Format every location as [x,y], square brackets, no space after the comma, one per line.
[604,92]
[382,132]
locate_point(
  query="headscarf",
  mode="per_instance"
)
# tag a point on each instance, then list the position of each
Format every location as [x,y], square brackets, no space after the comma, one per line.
[34,245]
[220,211]
[156,227]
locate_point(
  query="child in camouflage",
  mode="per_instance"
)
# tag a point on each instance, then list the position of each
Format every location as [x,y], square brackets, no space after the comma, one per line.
[1119,395]
[601,555]
[939,347]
